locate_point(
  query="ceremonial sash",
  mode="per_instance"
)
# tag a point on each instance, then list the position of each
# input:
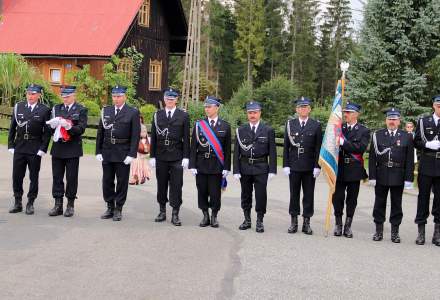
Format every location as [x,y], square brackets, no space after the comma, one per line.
[212,140]
[215,145]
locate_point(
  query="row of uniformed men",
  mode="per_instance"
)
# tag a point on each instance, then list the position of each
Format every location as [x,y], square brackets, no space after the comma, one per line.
[208,156]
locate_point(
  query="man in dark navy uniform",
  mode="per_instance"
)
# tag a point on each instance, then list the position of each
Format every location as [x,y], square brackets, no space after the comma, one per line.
[209,167]
[391,169]
[353,144]
[427,142]
[69,121]
[255,162]
[302,143]
[169,152]
[117,143]
[28,141]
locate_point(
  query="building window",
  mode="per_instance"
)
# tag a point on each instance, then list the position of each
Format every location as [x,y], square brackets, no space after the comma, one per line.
[144,14]
[126,66]
[155,78]
[55,76]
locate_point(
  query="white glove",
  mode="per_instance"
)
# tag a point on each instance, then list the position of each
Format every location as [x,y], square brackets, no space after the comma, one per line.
[185,163]
[152,162]
[11,150]
[225,173]
[372,182]
[316,172]
[408,185]
[286,171]
[53,122]
[128,160]
[237,176]
[433,145]
[41,153]
[341,141]
[194,171]
[271,175]
[99,157]
[65,124]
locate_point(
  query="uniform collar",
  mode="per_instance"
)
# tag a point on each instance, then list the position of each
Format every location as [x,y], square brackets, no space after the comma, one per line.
[120,107]
[303,120]
[171,110]
[351,126]
[436,118]
[390,131]
[32,106]
[215,120]
[256,125]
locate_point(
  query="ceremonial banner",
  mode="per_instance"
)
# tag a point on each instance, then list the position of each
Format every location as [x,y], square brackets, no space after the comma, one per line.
[329,154]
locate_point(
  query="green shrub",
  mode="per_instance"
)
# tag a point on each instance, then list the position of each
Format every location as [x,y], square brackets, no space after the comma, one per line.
[93,108]
[147,111]
[196,111]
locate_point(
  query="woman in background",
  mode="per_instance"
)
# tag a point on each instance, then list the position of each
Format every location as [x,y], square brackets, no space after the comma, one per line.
[140,171]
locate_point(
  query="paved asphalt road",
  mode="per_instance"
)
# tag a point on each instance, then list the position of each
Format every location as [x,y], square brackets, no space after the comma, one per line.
[88,258]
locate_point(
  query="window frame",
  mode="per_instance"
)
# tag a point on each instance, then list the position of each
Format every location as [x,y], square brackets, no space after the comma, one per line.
[155,75]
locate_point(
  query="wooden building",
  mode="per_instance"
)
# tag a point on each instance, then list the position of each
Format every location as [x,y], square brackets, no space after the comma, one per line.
[58,36]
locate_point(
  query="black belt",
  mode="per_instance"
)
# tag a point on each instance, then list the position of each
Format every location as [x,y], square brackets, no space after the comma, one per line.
[391,164]
[252,161]
[206,155]
[348,160]
[433,154]
[167,142]
[114,141]
[27,136]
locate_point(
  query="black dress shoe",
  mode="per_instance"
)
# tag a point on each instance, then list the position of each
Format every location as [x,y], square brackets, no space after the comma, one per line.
[108,214]
[247,220]
[57,210]
[214,222]
[117,214]
[205,221]
[30,207]
[421,236]
[18,206]
[378,235]
[69,208]
[395,238]
[293,224]
[347,228]
[175,218]
[436,236]
[306,227]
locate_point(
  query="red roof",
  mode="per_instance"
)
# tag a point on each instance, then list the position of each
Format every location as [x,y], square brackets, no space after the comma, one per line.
[65,27]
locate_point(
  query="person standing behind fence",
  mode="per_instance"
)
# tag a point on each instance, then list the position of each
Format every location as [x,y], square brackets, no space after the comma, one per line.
[140,171]
[28,141]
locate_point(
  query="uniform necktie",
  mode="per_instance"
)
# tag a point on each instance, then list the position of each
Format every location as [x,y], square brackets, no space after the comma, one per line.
[253,129]
[303,124]
[67,108]
[117,111]
[169,115]
[30,108]
[212,123]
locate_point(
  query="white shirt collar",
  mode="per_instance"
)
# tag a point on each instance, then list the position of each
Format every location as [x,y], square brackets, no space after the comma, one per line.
[390,131]
[171,110]
[32,105]
[69,106]
[256,125]
[436,118]
[215,120]
[303,120]
[120,107]
[351,126]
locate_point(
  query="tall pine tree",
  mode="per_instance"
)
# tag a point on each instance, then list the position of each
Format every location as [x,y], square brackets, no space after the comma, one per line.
[249,45]
[399,41]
